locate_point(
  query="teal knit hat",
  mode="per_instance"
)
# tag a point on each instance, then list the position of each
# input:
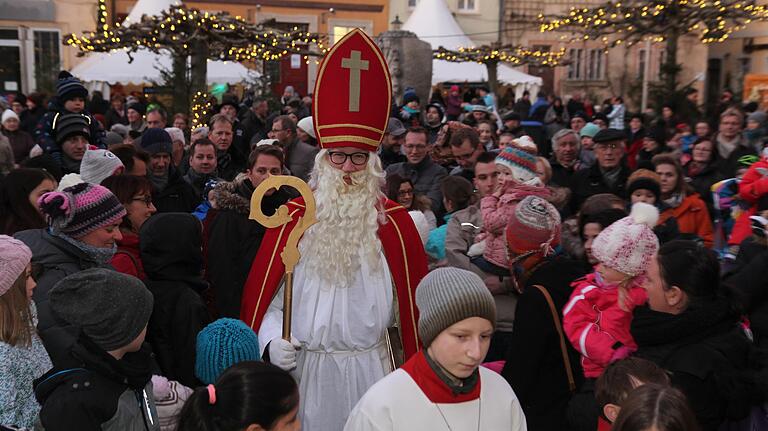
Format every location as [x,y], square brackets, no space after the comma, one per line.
[222,344]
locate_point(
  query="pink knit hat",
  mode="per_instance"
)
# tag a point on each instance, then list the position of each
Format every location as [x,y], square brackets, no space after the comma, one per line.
[629,244]
[14,258]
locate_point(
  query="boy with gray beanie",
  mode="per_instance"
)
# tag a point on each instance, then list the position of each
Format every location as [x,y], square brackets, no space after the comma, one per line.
[443,386]
[101,375]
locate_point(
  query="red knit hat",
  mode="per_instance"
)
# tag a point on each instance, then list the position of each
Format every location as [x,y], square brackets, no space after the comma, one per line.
[535,226]
[353,93]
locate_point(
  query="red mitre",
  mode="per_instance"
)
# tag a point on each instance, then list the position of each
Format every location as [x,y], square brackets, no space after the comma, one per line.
[352,94]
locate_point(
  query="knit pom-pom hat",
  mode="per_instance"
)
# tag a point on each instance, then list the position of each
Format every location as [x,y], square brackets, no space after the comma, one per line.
[522,164]
[81,209]
[629,244]
[222,344]
[535,226]
[14,258]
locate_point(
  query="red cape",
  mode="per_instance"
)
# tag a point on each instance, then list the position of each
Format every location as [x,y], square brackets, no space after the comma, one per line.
[402,248]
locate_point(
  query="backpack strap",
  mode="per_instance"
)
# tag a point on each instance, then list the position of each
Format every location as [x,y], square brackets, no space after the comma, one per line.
[559,328]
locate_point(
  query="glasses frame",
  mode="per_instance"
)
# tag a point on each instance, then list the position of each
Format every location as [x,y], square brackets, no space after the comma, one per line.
[350,157]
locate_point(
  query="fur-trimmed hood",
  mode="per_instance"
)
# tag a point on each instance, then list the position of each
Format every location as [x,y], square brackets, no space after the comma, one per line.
[234,195]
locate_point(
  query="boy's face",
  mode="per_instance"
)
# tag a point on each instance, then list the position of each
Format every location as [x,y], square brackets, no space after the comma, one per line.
[76,105]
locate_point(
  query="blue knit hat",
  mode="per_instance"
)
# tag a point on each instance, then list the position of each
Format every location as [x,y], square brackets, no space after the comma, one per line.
[68,87]
[222,344]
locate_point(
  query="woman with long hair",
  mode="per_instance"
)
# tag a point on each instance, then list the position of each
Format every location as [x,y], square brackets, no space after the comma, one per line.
[19,192]
[252,396]
[655,407]
[22,355]
[400,190]
[702,169]
[135,193]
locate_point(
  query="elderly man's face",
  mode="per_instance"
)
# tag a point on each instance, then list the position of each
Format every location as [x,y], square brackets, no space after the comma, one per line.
[609,154]
[567,149]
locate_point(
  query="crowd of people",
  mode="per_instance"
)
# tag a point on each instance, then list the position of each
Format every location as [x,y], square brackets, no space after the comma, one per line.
[594,268]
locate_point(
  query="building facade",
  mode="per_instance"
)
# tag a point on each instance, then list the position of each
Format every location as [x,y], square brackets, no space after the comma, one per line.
[480,19]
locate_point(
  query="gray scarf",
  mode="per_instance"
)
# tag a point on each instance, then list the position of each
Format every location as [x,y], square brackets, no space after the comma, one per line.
[100,255]
[725,147]
[161,182]
[675,200]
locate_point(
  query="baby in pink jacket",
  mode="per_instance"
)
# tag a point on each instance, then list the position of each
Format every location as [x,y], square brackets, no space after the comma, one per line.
[517,179]
[597,318]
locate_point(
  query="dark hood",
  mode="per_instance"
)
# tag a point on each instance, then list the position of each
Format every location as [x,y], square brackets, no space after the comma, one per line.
[171,247]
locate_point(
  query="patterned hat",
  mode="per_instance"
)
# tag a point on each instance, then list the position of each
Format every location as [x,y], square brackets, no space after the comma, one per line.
[14,258]
[353,95]
[534,226]
[526,144]
[629,244]
[67,125]
[68,87]
[222,344]
[98,165]
[522,164]
[81,209]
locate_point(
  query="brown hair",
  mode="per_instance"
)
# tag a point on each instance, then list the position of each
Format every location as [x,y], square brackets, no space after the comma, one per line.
[16,323]
[126,154]
[419,130]
[392,188]
[125,187]
[459,136]
[733,112]
[267,150]
[202,142]
[616,382]
[458,190]
[220,118]
[658,407]
[547,168]
[668,159]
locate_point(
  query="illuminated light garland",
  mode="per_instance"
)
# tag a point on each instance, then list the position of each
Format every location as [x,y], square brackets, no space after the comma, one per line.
[201,106]
[714,21]
[227,38]
[516,56]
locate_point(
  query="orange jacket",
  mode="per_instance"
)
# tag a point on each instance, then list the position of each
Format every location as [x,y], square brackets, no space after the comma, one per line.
[692,217]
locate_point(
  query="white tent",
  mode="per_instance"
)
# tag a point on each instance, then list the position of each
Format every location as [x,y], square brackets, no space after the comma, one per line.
[433,22]
[115,67]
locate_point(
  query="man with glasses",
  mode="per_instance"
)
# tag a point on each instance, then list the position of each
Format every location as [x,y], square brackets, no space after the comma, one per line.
[299,156]
[425,174]
[608,175]
[466,148]
[360,263]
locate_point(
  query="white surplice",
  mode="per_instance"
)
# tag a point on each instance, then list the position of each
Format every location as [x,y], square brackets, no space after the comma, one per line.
[342,334]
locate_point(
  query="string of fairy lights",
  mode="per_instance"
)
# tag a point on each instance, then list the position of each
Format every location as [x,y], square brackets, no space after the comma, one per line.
[637,20]
[226,37]
[516,56]
[201,106]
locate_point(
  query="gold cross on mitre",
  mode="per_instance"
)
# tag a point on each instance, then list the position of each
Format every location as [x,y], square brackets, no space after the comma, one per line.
[355,64]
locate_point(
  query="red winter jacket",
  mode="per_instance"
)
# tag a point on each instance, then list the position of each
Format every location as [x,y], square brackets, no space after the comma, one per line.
[595,323]
[127,259]
[753,184]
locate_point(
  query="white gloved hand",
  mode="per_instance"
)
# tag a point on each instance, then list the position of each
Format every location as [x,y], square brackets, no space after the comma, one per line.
[283,353]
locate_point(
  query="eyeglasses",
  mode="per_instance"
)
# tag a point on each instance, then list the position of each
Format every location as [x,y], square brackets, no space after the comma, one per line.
[339,158]
[147,199]
[404,193]
[606,146]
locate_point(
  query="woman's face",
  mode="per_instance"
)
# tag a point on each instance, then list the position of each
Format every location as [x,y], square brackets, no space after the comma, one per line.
[702,152]
[591,230]
[31,284]
[650,145]
[666,113]
[702,129]
[179,123]
[658,297]
[485,132]
[669,178]
[405,195]
[103,237]
[45,186]
[11,124]
[139,209]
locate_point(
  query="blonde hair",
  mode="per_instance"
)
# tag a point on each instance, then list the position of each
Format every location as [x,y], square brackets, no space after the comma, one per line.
[16,323]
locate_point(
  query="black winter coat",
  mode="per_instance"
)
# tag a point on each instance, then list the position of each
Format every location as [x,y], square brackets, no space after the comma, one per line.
[750,289]
[709,356]
[177,196]
[702,183]
[534,363]
[588,182]
[233,241]
[57,259]
[89,390]
[171,251]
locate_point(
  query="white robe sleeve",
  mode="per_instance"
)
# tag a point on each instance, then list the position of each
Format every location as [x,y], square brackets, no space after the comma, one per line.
[272,324]
[360,420]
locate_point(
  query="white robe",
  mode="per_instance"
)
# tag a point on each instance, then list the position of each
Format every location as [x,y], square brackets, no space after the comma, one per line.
[396,403]
[342,332]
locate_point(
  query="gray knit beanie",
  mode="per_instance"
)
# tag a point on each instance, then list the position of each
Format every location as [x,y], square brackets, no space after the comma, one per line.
[449,295]
[111,308]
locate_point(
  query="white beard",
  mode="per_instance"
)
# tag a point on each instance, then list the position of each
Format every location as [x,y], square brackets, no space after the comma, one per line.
[348,220]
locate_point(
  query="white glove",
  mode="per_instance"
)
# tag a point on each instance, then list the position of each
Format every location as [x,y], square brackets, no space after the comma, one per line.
[283,353]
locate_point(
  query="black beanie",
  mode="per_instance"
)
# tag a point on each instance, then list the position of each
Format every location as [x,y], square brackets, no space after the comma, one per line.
[645,183]
[68,125]
[111,308]
[68,87]
[156,141]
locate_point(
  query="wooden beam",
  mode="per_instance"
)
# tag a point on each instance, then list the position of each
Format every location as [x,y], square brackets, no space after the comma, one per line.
[297,4]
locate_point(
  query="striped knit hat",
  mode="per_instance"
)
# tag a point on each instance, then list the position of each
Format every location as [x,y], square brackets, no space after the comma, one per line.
[522,164]
[222,344]
[535,226]
[81,209]
[449,295]
[68,87]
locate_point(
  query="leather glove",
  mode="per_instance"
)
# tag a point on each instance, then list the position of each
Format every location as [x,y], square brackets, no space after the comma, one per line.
[283,353]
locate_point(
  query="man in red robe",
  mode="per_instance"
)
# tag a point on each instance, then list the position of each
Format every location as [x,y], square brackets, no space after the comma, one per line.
[360,263]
